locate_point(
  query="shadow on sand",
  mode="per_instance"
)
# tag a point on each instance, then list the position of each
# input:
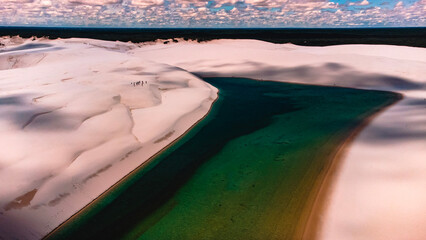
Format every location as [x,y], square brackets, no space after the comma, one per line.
[19,111]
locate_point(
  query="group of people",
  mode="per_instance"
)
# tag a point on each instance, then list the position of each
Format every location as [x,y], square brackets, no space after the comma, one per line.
[139,83]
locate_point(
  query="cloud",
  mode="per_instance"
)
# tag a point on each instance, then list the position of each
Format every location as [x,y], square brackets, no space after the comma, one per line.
[147,3]
[360,3]
[95,2]
[45,3]
[16,1]
[263,3]
[400,4]
[204,13]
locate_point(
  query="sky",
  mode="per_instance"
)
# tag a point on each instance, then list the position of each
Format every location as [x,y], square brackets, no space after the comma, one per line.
[217,13]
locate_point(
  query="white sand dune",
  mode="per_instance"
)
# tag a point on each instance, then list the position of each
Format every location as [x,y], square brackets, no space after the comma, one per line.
[72,124]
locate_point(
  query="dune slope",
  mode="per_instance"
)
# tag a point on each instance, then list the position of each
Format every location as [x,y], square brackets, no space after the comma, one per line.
[75,117]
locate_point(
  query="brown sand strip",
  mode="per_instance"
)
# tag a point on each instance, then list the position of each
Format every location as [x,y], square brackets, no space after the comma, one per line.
[165,137]
[21,201]
[57,200]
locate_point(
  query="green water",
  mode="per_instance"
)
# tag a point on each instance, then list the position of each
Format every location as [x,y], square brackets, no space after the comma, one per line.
[249,170]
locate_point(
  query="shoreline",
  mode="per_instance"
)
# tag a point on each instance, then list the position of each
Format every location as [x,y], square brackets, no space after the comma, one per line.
[113,187]
[312,228]
[309,230]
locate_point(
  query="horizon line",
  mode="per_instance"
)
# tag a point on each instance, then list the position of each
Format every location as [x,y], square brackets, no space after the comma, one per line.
[107,27]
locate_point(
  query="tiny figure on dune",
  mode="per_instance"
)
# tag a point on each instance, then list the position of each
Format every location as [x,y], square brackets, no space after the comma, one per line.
[138,83]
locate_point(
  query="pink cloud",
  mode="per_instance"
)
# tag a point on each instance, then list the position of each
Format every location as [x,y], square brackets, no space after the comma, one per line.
[95,2]
[360,3]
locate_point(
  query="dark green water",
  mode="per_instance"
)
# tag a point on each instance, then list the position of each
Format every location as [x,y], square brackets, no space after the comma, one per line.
[248,171]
